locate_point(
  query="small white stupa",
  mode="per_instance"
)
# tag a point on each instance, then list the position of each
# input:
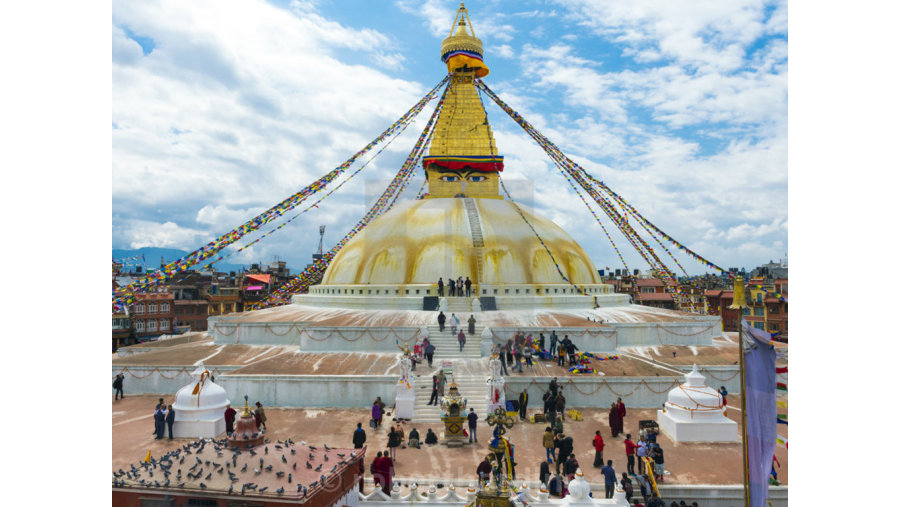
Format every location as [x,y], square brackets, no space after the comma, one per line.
[695,413]
[200,407]
[405,401]
[496,386]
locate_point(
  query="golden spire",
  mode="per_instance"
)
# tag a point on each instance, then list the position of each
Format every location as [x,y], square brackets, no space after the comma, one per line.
[739,301]
[462,160]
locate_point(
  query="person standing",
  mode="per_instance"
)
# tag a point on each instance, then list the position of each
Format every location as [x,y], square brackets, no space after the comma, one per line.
[387,471]
[564,444]
[117,385]
[434,391]
[502,354]
[158,405]
[440,287]
[459,287]
[570,466]
[429,353]
[722,391]
[561,405]
[359,436]
[659,463]
[393,442]
[441,320]
[517,353]
[468,284]
[230,414]
[613,420]
[545,474]
[551,414]
[630,447]
[541,342]
[628,487]
[644,482]
[473,421]
[598,449]
[552,344]
[620,407]
[527,354]
[260,416]
[561,354]
[159,419]
[570,350]
[471,324]
[549,446]
[170,420]
[451,286]
[376,414]
[609,478]
[483,472]
[454,323]
[461,338]
[641,453]
[554,386]
[523,404]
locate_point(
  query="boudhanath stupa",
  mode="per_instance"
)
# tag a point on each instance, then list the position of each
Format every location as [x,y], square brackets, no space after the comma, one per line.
[340,343]
[344,341]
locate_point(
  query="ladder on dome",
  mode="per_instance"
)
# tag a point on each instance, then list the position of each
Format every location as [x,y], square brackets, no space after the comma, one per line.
[477,237]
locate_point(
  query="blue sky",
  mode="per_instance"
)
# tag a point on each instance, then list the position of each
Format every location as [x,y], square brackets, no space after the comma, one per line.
[221,109]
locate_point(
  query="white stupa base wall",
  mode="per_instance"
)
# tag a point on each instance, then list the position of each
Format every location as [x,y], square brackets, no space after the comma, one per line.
[405,401]
[199,428]
[681,428]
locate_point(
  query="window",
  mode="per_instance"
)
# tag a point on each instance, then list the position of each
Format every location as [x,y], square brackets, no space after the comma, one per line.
[773,327]
[139,326]
[151,325]
[759,311]
[647,290]
[759,297]
[746,311]
[151,308]
[139,308]
[164,307]
[760,325]
[773,309]
[203,501]
[163,324]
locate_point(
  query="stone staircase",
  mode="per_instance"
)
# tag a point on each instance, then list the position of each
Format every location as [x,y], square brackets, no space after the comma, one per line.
[477,237]
[447,347]
[473,389]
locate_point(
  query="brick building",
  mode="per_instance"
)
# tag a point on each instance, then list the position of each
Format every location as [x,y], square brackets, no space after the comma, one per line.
[153,313]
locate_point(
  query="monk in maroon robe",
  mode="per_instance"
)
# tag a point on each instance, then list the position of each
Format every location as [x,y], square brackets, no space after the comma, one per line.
[614,420]
[230,414]
[384,468]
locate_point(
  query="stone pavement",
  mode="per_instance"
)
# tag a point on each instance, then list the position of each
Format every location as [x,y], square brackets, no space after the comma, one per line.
[132,424]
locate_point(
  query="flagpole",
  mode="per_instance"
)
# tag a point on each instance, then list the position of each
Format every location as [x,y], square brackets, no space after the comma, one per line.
[744,456]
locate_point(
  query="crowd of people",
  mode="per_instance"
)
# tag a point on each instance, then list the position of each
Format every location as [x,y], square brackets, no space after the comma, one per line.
[455,288]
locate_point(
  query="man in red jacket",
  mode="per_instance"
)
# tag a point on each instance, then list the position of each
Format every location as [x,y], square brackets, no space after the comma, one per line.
[598,446]
[629,452]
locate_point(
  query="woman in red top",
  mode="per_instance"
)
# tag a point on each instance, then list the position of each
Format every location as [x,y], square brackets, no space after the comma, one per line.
[598,446]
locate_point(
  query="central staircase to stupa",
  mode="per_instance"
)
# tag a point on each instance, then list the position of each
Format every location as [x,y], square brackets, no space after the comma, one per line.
[473,388]
[446,344]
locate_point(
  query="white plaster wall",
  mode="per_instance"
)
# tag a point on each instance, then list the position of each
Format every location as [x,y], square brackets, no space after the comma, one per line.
[311,390]
[159,379]
[599,395]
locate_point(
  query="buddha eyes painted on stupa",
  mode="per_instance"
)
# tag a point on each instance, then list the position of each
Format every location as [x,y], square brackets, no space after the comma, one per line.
[470,176]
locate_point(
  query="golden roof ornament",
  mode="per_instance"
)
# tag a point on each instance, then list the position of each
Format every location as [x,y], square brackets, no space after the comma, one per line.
[462,51]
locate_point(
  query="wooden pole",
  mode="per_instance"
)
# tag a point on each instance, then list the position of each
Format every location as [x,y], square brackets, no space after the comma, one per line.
[745,457]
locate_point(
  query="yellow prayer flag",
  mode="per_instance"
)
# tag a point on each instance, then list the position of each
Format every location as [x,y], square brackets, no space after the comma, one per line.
[781,403]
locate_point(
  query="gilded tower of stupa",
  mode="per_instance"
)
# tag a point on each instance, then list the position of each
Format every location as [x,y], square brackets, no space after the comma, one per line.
[462,227]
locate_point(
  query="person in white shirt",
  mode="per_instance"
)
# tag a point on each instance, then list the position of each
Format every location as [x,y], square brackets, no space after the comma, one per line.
[641,454]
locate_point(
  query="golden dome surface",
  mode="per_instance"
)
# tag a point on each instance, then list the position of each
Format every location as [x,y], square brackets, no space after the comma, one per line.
[419,241]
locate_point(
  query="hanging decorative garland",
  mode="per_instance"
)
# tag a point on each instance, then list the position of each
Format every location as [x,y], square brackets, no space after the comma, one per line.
[125,295]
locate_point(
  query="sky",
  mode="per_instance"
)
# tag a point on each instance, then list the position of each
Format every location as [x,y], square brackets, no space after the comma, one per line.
[220,109]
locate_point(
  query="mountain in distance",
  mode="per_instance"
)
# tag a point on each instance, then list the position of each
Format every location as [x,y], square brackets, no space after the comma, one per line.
[153,254]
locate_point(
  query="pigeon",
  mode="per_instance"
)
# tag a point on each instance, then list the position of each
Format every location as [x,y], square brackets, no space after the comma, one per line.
[243,488]
[283,459]
[280,490]
[333,468]
[311,456]
[230,489]
[326,447]
[277,446]
[199,461]
[245,468]
[263,489]
[326,457]
[308,465]
[295,465]
[267,450]
[319,468]
[208,476]
[313,448]
[269,468]
[279,474]
[220,470]
[156,483]
[260,462]
[341,455]
[293,451]
[322,477]
[299,487]
[267,440]
[166,484]
[180,484]
[289,478]
[256,471]
[202,486]
[313,484]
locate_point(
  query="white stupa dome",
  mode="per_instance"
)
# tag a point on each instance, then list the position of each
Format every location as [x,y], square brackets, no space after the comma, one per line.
[209,402]
[694,398]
